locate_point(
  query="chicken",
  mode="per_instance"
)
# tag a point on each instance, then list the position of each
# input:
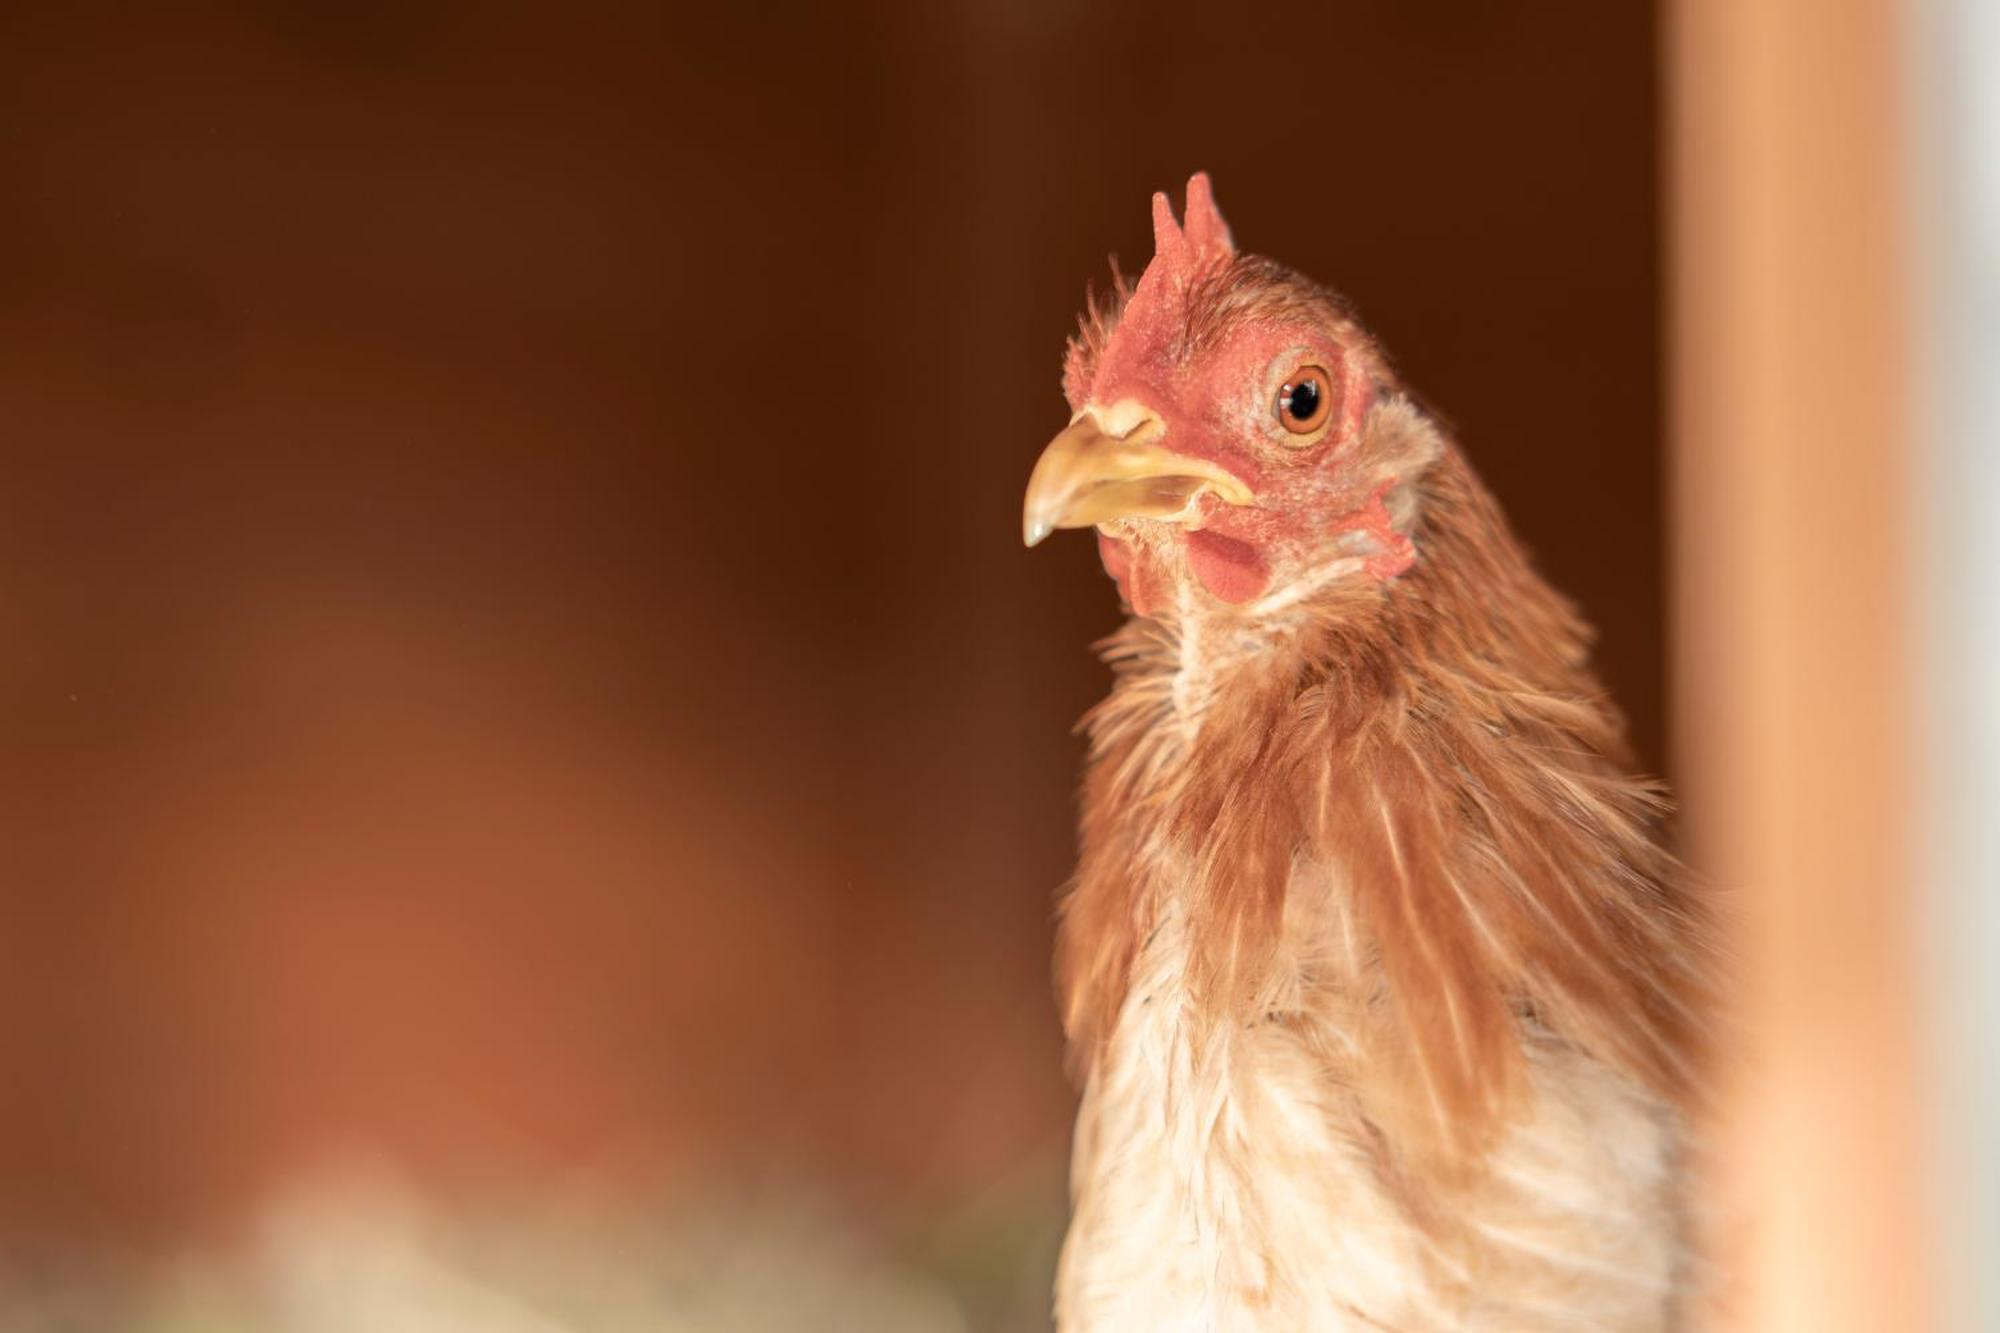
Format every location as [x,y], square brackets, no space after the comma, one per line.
[1383,993]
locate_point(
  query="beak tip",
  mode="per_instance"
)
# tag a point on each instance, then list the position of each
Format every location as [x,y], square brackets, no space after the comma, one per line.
[1034,529]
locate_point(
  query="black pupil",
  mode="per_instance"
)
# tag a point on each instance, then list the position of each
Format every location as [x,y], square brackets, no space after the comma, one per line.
[1303,400]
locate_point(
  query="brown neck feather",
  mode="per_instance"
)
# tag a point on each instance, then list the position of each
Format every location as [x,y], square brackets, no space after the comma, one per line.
[1440,739]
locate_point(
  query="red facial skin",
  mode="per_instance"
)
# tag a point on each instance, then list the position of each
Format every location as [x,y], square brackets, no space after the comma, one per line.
[1217,396]
[1222,408]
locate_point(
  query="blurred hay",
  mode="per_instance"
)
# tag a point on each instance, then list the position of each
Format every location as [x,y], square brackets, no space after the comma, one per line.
[366,1253]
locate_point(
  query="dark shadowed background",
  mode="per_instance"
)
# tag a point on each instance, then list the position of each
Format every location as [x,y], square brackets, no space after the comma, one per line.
[518,654]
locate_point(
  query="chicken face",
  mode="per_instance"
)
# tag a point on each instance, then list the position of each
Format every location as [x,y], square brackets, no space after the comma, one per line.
[1223,439]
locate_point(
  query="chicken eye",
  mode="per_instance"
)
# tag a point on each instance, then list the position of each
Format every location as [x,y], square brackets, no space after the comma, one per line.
[1305,400]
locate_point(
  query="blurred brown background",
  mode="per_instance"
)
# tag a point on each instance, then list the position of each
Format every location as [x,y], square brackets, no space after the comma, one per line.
[518,653]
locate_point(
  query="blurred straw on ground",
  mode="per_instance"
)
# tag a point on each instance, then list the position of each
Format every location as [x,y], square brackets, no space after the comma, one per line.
[363,1250]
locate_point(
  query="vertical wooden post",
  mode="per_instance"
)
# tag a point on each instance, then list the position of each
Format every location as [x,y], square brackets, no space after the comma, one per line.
[1791,468]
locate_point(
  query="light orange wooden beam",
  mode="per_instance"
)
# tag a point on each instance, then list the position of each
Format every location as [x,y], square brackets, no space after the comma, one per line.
[1792,465]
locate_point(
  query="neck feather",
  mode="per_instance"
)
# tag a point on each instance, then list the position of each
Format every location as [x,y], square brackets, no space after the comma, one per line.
[1439,740]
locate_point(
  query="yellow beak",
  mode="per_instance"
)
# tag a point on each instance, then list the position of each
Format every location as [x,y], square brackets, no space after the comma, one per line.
[1086,477]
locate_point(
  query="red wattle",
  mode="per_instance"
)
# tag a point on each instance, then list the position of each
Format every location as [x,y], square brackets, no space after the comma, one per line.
[1117,560]
[1233,571]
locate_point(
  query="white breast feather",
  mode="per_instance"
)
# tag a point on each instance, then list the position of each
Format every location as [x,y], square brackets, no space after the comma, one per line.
[1229,1187]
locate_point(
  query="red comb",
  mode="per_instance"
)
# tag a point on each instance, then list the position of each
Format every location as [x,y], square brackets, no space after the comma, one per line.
[1205,239]
[1207,233]
[1179,254]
